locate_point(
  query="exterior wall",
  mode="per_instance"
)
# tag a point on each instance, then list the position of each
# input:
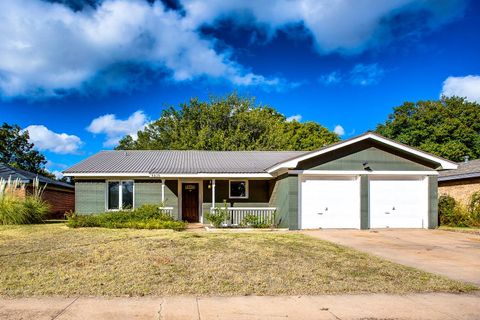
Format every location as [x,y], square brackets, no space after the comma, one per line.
[89,197]
[60,201]
[150,192]
[460,190]
[432,202]
[285,198]
[378,160]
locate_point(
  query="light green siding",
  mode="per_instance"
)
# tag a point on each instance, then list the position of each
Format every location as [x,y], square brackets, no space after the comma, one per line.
[378,160]
[151,193]
[432,202]
[364,202]
[89,197]
[285,198]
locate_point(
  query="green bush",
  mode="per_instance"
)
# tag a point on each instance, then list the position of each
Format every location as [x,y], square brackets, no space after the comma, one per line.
[253,221]
[218,216]
[15,210]
[474,208]
[145,217]
[453,214]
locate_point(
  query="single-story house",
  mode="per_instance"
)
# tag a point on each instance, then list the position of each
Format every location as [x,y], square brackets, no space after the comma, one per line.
[60,195]
[462,182]
[364,182]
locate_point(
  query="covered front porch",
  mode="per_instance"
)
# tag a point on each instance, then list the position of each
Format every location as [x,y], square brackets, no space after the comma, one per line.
[240,197]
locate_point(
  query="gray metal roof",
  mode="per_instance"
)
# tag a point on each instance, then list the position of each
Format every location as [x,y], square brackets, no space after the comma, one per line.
[466,170]
[181,161]
[27,176]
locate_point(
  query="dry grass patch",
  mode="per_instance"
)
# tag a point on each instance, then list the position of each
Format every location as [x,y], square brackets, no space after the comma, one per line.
[54,260]
[461,229]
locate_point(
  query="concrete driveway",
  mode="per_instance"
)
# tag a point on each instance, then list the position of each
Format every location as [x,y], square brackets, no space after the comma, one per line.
[452,254]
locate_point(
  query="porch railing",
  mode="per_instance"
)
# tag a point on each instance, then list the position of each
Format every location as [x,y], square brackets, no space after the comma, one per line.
[166,210]
[237,214]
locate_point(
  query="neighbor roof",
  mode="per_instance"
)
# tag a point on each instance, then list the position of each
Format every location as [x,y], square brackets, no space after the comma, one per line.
[7,172]
[466,170]
[180,162]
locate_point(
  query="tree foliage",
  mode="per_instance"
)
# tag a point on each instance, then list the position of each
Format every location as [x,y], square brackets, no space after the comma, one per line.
[449,127]
[229,123]
[16,151]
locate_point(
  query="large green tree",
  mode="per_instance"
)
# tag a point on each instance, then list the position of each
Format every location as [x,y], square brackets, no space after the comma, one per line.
[228,123]
[16,151]
[449,127]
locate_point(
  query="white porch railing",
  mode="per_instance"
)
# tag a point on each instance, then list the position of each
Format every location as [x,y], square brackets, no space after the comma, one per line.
[237,214]
[166,210]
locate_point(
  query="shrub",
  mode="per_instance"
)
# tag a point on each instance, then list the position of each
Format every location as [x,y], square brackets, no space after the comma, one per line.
[12,210]
[218,216]
[145,217]
[452,214]
[254,221]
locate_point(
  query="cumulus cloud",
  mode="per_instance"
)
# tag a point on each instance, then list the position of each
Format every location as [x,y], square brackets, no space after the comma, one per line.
[468,86]
[333,77]
[47,48]
[45,139]
[296,117]
[339,130]
[50,49]
[115,129]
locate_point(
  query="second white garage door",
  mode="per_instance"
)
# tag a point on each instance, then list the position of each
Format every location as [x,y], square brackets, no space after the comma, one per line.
[399,203]
[330,202]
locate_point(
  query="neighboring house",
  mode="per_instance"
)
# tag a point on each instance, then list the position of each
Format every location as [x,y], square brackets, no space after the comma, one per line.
[364,182]
[462,182]
[60,195]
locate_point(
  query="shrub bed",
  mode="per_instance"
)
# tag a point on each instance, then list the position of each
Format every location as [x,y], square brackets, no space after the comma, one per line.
[145,217]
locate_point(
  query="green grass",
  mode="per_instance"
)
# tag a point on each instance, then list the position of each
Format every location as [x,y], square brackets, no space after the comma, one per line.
[52,259]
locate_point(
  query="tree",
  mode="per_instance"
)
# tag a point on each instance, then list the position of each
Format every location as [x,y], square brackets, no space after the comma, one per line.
[16,151]
[449,127]
[229,123]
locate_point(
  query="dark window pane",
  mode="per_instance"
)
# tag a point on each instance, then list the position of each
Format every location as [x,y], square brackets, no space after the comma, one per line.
[238,189]
[127,194]
[113,195]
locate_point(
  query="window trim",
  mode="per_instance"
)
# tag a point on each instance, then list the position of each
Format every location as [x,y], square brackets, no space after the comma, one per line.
[120,194]
[230,188]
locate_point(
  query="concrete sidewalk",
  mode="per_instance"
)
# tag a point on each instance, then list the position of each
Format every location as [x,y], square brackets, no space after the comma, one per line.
[369,306]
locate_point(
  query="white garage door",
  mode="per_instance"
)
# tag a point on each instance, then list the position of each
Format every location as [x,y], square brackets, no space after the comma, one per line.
[330,202]
[399,203]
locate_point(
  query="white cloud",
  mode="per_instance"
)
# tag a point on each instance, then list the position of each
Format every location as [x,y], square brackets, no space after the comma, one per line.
[333,77]
[296,117]
[45,139]
[46,48]
[339,130]
[360,75]
[468,86]
[115,129]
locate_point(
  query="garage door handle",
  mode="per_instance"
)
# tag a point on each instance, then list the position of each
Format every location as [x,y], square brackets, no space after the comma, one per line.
[320,213]
[386,212]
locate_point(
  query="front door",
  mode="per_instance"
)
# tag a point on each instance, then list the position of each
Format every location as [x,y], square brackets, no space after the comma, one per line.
[190,202]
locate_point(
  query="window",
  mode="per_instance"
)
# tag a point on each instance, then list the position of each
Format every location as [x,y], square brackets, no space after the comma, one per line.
[120,195]
[238,189]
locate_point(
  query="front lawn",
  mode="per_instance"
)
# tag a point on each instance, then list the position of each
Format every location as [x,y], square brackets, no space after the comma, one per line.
[461,229]
[52,259]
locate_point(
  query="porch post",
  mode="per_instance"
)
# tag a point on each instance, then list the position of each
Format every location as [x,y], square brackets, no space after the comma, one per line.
[163,192]
[213,193]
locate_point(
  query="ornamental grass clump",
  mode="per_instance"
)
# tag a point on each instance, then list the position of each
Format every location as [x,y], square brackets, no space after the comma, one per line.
[16,207]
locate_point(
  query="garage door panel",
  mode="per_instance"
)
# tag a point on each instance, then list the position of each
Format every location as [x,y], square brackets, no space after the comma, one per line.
[330,203]
[398,203]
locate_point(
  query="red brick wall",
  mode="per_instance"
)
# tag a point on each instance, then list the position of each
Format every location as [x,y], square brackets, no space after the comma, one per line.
[60,201]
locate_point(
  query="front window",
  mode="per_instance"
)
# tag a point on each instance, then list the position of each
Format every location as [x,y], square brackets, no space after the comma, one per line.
[120,195]
[238,189]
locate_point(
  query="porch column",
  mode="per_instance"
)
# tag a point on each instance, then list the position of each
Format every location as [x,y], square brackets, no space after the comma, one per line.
[163,192]
[213,193]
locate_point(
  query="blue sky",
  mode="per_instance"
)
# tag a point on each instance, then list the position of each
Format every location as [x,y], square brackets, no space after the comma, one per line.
[79,74]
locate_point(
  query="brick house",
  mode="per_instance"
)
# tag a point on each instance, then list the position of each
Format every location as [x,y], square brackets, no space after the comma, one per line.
[60,195]
[460,183]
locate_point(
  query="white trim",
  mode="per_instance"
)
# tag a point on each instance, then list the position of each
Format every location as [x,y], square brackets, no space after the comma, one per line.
[294,162]
[362,172]
[120,194]
[230,190]
[171,175]
[213,193]
[247,208]
[163,191]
